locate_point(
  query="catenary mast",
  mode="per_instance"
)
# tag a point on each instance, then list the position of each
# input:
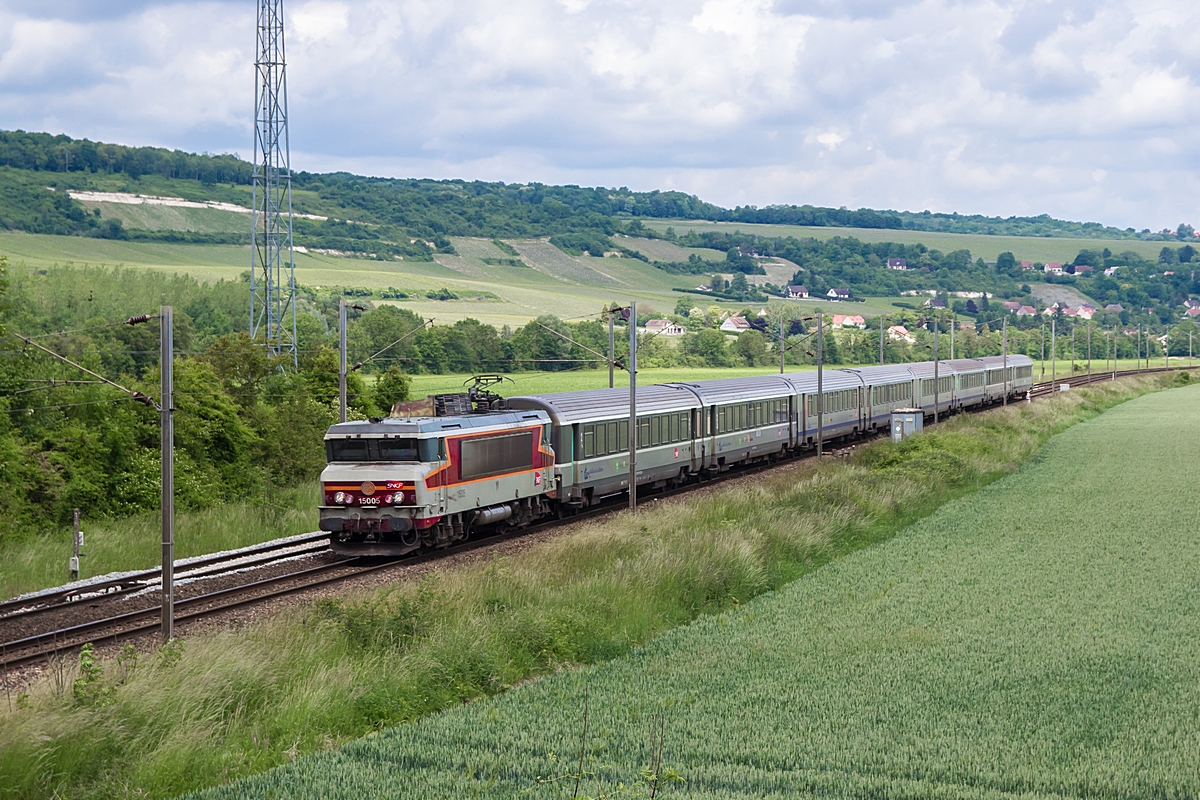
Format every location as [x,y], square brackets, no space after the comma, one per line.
[272,271]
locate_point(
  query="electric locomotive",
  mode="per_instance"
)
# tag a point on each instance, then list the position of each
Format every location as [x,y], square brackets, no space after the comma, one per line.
[400,484]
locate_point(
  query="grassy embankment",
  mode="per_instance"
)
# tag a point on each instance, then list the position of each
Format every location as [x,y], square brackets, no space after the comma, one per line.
[238,702]
[1037,639]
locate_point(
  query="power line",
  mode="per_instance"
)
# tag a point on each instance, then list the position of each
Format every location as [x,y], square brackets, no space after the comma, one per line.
[135,320]
[136,395]
[59,405]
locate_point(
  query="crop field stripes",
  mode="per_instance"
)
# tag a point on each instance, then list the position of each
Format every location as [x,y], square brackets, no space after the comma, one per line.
[53,642]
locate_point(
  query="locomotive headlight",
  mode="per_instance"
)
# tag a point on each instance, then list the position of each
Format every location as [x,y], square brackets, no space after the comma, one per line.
[399,498]
[339,498]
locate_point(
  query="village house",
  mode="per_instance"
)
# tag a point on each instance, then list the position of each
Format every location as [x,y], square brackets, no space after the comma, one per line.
[1193,312]
[1027,265]
[704,287]
[1190,303]
[1085,312]
[899,333]
[846,321]
[1053,268]
[1110,271]
[838,294]
[1026,311]
[897,263]
[1011,305]
[665,327]
[797,292]
[735,325]
[935,302]
[1116,308]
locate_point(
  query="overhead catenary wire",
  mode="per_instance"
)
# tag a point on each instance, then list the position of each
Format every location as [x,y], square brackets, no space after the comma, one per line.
[133,394]
[371,358]
[30,409]
[134,320]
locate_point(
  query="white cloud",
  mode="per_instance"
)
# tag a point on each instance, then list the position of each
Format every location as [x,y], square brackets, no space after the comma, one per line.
[993,106]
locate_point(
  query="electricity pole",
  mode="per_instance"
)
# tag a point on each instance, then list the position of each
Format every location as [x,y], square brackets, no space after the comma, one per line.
[936,395]
[953,325]
[167,422]
[633,426]
[781,353]
[1089,347]
[882,324]
[342,353]
[1043,351]
[612,348]
[1053,355]
[1072,348]
[820,383]
[1004,352]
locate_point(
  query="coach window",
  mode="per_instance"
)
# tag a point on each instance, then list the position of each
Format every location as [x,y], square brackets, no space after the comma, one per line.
[589,441]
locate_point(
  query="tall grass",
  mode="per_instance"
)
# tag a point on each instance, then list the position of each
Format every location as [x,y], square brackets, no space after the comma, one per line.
[38,562]
[236,702]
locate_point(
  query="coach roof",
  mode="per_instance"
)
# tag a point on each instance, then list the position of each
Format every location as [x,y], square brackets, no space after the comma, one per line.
[566,408]
[737,390]
[414,426]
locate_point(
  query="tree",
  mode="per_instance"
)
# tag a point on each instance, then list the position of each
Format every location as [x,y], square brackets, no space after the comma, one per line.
[750,348]
[739,286]
[1185,231]
[392,387]
[708,346]
[1006,264]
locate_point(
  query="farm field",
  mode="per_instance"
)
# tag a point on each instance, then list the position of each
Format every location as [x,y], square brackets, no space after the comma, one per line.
[1028,248]
[1007,644]
[543,280]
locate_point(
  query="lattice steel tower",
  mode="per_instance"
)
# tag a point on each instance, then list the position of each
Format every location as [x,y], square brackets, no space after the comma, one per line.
[273,271]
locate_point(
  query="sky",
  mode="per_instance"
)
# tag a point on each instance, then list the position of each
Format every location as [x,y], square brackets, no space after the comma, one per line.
[1082,110]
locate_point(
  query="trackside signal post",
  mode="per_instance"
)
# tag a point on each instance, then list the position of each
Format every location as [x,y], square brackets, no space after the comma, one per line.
[342,354]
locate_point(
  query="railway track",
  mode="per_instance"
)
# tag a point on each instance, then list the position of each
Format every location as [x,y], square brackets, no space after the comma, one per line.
[59,641]
[1050,387]
[145,580]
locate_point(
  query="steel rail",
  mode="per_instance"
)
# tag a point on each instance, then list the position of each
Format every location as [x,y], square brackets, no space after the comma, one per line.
[136,581]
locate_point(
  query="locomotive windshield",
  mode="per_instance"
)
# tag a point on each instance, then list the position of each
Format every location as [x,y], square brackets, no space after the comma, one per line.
[359,450]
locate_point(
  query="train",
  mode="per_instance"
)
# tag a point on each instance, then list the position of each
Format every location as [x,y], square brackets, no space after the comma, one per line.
[400,484]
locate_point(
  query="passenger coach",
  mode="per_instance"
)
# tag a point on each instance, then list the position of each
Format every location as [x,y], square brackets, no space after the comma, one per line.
[396,485]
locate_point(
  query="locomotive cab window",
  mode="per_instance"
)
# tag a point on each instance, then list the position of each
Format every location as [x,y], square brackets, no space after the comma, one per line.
[360,450]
